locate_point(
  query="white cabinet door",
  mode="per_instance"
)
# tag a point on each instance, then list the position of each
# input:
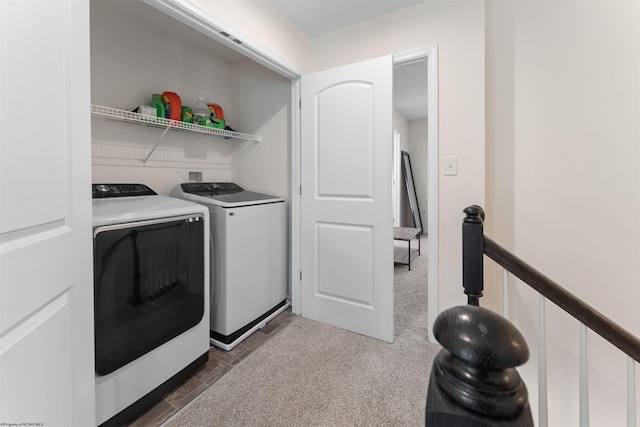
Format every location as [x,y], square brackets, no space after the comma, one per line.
[347,222]
[46,291]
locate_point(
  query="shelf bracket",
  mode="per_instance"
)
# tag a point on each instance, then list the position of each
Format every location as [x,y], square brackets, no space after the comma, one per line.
[156,145]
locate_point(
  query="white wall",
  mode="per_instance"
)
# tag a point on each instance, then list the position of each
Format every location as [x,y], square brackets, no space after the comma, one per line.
[563,177]
[402,126]
[418,150]
[458,29]
[267,96]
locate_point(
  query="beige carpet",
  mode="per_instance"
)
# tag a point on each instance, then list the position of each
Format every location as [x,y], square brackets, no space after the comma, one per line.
[313,374]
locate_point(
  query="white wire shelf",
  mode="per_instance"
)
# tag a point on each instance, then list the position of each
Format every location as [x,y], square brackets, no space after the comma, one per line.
[174,125]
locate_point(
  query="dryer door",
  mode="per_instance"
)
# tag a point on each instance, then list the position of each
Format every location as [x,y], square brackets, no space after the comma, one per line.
[149,286]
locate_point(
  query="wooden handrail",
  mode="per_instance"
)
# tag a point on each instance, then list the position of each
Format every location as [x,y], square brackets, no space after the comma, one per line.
[462,390]
[475,244]
[564,299]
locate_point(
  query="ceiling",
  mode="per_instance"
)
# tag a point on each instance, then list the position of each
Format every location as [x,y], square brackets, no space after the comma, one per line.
[410,90]
[317,17]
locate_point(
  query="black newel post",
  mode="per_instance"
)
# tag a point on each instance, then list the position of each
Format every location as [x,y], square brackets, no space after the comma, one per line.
[473,381]
[472,253]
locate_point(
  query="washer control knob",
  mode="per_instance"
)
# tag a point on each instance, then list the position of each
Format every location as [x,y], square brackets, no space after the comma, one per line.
[102,188]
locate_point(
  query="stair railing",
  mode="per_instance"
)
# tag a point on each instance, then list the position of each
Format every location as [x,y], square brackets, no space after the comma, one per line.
[476,244]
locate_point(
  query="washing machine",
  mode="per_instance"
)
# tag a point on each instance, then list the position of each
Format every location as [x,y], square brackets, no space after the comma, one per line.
[249,255]
[151,296]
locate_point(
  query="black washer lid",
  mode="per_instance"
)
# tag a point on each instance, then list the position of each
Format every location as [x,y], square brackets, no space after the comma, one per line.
[211,188]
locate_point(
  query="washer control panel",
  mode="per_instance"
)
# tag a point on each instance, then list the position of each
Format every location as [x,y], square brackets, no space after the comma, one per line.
[99,191]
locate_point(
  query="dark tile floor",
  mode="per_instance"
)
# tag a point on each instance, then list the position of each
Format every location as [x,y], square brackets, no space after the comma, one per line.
[220,362]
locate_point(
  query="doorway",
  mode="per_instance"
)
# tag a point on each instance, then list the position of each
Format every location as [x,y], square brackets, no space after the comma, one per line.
[430,55]
[410,105]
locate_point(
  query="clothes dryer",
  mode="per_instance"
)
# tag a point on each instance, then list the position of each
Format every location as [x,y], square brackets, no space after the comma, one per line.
[151,296]
[248,257]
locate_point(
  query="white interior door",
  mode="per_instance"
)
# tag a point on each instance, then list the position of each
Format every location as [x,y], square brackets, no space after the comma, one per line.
[346,210]
[46,281]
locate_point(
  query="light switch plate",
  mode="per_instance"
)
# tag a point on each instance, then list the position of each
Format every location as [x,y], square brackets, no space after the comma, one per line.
[450,166]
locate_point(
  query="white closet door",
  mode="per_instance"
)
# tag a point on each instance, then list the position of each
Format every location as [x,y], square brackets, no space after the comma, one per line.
[347,222]
[46,281]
